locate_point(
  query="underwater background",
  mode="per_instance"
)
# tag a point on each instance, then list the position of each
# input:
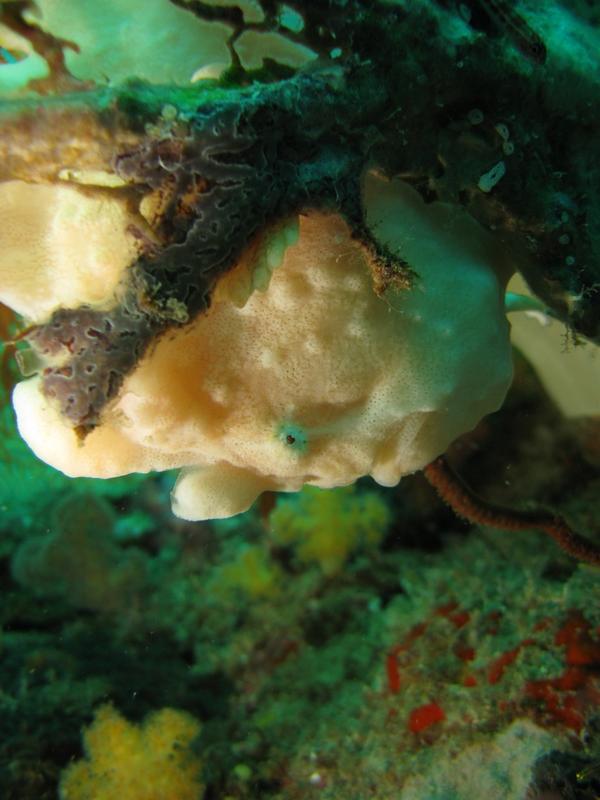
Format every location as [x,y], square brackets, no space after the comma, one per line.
[353,642]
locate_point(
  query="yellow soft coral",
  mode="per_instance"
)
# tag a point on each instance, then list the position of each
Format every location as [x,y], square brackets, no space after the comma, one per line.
[252,572]
[329,525]
[151,761]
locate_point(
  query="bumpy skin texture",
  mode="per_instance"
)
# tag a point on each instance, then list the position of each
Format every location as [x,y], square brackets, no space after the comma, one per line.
[248,152]
[315,379]
[235,167]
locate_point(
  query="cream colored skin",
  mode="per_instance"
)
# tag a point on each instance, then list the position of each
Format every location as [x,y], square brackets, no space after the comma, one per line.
[363,385]
[60,247]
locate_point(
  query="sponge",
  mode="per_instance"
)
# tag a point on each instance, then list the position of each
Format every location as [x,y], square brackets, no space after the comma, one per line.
[316,378]
[60,247]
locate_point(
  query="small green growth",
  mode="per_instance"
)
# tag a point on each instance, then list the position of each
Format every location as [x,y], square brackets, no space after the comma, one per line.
[293,437]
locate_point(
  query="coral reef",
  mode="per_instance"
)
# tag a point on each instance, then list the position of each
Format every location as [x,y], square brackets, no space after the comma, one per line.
[431,663]
[268,242]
